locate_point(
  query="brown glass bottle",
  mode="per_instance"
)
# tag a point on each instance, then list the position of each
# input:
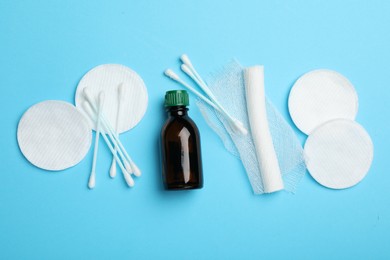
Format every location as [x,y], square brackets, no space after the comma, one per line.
[180,145]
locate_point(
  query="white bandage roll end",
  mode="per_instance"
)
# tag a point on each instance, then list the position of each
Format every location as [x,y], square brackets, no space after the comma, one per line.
[261,135]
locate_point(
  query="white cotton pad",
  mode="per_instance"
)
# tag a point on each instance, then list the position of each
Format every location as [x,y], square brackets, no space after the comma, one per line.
[54,135]
[339,153]
[108,78]
[319,96]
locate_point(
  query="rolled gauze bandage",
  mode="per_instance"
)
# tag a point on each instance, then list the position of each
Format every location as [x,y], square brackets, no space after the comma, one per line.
[257,115]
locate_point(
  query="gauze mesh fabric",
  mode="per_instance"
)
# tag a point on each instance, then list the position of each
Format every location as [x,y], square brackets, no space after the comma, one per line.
[228,87]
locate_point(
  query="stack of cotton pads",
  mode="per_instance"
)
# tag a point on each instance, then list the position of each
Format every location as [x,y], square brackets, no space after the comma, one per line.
[338,151]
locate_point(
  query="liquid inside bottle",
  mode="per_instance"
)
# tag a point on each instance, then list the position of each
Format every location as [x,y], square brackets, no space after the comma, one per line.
[180,145]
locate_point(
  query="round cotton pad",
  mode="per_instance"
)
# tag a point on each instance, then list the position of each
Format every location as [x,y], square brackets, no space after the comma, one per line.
[133,100]
[319,96]
[54,135]
[339,153]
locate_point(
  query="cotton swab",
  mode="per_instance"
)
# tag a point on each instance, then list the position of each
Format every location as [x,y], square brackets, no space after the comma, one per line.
[91,182]
[113,164]
[126,174]
[172,75]
[190,70]
[187,62]
[87,107]
[108,129]
[129,163]
[235,124]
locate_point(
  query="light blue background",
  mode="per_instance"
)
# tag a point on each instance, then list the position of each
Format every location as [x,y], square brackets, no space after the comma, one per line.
[47,46]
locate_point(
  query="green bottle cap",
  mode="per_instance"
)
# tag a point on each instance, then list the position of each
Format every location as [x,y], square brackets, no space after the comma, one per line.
[176,98]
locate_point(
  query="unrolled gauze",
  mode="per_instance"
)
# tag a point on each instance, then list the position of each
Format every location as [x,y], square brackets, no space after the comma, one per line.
[257,115]
[228,86]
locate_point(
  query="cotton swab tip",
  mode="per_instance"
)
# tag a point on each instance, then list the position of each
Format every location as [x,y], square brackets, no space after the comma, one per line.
[184,58]
[169,73]
[113,169]
[238,127]
[136,170]
[129,180]
[87,92]
[91,182]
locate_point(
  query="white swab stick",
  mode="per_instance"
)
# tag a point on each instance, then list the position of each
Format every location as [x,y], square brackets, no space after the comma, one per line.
[204,87]
[261,135]
[129,180]
[234,123]
[119,97]
[172,75]
[188,70]
[186,60]
[126,174]
[118,144]
[91,114]
[129,164]
[91,182]
[108,131]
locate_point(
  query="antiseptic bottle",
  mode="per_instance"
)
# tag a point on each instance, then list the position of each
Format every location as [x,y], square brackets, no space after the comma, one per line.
[180,145]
